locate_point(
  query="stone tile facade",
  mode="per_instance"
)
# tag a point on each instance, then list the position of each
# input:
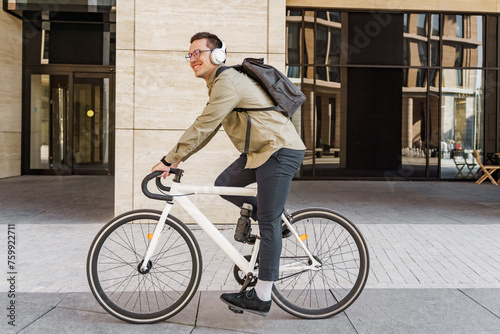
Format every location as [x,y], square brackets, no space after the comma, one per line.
[10,95]
[158,97]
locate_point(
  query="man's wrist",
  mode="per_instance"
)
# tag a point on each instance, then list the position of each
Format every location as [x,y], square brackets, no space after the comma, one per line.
[165,162]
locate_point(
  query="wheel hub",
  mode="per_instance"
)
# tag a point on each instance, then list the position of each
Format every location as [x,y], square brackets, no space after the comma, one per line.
[148,267]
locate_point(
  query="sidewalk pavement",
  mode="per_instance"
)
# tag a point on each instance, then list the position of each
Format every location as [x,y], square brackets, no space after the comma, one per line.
[434,252]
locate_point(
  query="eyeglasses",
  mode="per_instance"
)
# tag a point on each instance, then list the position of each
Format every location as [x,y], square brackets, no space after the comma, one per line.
[196,54]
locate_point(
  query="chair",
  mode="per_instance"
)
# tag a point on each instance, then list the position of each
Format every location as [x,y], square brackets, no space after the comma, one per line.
[487,170]
[459,161]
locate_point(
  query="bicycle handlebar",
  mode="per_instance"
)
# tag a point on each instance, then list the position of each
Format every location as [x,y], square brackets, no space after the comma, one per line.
[177,172]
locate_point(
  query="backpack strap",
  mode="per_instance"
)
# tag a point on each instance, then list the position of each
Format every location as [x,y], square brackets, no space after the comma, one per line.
[256,109]
[247,136]
[223,68]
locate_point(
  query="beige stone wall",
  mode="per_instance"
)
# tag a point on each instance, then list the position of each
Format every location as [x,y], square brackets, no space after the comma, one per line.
[485,6]
[158,97]
[10,94]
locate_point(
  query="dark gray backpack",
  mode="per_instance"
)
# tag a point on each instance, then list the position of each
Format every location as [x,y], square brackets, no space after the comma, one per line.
[285,95]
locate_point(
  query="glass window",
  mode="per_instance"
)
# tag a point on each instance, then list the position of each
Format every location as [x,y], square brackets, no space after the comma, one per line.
[460,26]
[441,96]
[435,25]
[334,16]
[414,107]
[321,15]
[434,53]
[320,127]
[40,122]
[293,43]
[48,121]
[421,24]
[321,51]
[459,55]
[334,48]
[462,122]
[69,38]
[422,53]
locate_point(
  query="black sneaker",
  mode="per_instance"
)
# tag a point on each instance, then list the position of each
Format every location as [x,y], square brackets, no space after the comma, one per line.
[246,301]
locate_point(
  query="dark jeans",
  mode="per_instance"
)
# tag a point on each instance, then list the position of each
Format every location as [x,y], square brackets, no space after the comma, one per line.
[273,179]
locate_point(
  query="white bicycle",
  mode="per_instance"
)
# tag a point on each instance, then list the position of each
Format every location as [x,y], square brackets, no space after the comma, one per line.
[145,266]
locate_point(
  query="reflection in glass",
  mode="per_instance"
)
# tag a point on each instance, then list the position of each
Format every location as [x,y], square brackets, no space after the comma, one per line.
[40,121]
[417,146]
[460,26]
[434,79]
[436,104]
[321,14]
[293,49]
[465,50]
[434,53]
[334,16]
[435,25]
[433,140]
[91,122]
[48,121]
[321,51]
[321,124]
[415,78]
[414,109]
[421,24]
[462,121]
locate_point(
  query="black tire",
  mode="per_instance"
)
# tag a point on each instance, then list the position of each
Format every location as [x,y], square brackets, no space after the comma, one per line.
[335,242]
[115,256]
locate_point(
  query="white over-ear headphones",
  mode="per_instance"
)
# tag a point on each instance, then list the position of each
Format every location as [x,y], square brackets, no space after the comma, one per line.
[218,56]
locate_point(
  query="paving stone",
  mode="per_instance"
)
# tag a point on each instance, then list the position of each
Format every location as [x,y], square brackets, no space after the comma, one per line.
[434,251]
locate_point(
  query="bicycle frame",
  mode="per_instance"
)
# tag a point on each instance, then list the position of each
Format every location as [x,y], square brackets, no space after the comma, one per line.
[180,192]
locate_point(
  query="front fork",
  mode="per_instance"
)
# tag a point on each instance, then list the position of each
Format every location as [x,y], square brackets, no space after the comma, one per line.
[145,265]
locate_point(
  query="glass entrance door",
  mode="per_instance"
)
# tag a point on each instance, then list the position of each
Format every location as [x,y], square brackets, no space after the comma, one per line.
[49,122]
[70,123]
[91,135]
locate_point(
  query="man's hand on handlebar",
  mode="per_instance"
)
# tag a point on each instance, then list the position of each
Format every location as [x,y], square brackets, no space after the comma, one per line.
[166,170]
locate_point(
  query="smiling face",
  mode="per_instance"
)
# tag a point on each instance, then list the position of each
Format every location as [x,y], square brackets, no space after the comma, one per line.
[202,66]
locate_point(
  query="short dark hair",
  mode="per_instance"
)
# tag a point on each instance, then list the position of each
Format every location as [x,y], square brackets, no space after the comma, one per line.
[213,42]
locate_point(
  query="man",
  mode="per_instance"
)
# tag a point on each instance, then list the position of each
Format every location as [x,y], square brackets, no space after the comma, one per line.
[270,158]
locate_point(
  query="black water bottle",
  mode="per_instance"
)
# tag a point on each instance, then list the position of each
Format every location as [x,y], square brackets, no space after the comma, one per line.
[243,226]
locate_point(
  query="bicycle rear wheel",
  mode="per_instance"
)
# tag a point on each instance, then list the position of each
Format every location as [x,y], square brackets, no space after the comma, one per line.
[113,265]
[340,248]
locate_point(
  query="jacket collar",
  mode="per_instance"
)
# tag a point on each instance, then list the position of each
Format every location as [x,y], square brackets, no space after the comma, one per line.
[211,79]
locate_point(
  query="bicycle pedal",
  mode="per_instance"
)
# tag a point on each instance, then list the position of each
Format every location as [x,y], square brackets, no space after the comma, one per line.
[235,310]
[251,239]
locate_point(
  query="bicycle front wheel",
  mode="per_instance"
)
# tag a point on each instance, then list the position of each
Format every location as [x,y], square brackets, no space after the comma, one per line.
[116,255]
[340,248]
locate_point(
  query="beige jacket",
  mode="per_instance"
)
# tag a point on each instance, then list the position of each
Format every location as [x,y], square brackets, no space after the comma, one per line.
[270,130]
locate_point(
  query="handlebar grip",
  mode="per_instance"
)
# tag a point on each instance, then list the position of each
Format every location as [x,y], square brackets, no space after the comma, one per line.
[149,194]
[160,185]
